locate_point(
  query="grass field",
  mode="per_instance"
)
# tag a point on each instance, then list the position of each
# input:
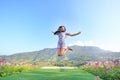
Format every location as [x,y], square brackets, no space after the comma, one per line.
[56,74]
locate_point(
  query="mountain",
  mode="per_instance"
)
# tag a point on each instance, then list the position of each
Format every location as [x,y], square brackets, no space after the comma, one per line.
[78,56]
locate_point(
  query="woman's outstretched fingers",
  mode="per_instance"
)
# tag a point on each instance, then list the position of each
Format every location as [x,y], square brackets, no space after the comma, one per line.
[79,33]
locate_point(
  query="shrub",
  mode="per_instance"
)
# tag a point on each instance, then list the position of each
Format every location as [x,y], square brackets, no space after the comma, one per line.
[7,70]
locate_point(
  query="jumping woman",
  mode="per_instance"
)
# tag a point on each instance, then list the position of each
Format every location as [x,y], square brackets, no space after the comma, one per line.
[61,32]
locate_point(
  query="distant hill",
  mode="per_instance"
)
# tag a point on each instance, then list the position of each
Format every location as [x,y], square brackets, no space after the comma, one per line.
[80,55]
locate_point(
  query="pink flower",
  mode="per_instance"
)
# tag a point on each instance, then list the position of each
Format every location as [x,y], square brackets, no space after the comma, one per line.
[107,69]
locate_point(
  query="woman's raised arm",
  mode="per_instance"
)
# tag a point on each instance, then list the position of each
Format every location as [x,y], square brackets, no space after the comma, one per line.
[74,34]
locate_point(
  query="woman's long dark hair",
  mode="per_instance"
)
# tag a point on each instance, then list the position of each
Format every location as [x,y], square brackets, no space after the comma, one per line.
[58,31]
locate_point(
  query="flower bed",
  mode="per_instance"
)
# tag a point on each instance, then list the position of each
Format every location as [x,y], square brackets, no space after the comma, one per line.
[106,71]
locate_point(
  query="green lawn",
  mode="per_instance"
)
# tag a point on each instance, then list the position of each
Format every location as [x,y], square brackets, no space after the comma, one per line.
[47,74]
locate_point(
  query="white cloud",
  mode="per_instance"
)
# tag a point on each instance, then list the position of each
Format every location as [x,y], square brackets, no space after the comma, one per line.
[115,48]
[88,43]
[110,47]
[79,43]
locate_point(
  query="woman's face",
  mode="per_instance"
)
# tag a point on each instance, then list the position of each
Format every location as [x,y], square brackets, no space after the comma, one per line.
[62,28]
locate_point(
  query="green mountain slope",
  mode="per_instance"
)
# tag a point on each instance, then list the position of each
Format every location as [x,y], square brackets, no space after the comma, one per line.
[80,54]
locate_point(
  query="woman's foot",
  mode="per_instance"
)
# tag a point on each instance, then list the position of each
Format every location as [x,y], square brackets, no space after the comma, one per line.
[70,49]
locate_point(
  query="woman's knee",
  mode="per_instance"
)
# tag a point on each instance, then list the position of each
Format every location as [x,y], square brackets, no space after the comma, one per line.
[60,54]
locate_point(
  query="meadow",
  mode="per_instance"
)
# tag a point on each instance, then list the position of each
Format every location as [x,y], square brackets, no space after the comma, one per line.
[48,74]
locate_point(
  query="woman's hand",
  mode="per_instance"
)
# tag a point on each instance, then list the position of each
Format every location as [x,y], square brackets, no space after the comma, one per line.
[78,33]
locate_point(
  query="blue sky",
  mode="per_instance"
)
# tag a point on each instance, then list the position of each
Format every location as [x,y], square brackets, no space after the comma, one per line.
[26,25]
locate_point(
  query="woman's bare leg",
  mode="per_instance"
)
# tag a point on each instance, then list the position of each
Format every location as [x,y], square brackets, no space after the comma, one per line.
[59,51]
[63,51]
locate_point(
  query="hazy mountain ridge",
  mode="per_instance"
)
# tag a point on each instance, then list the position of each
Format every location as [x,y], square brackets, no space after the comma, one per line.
[80,53]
